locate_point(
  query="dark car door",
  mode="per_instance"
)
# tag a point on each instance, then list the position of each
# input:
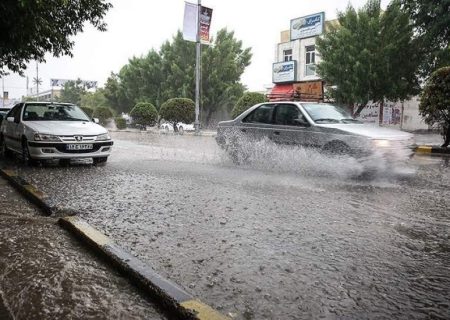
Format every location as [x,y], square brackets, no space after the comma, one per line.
[258,123]
[291,127]
[10,132]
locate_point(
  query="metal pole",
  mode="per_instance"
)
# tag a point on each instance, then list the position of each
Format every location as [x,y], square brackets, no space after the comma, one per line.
[197,71]
[37,82]
[3,92]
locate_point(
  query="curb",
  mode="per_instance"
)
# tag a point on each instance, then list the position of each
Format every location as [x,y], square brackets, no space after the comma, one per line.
[432,149]
[166,292]
[30,192]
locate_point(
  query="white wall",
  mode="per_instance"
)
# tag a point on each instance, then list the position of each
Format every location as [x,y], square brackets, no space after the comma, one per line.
[411,118]
[298,54]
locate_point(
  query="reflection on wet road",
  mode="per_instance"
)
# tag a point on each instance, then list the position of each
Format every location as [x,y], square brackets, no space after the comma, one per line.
[292,235]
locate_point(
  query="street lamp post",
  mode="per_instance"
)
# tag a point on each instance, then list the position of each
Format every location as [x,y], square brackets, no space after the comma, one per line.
[197,71]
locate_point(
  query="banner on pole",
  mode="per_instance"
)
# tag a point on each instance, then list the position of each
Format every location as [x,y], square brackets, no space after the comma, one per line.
[190,23]
[205,23]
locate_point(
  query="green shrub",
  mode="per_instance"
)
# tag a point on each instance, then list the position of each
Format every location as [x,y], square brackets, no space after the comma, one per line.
[88,111]
[144,113]
[178,110]
[248,99]
[103,114]
[120,123]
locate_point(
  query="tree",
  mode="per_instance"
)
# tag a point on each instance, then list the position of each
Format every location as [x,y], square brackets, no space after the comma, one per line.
[370,56]
[115,94]
[32,28]
[435,101]
[170,73]
[431,20]
[103,114]
[144,113]
[72,92]
[222,67]
[94,100]
[248,99]
[178,110]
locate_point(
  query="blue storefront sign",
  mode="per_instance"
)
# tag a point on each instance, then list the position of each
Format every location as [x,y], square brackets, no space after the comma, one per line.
[284,72]
[308,26]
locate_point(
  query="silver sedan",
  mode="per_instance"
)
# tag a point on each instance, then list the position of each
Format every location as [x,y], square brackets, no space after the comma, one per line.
[323,126]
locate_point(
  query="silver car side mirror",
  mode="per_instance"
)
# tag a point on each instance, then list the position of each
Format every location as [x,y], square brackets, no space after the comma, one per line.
[95,120]
[10,119]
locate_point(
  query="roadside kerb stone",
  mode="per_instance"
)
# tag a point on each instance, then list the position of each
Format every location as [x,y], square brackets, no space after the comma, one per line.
[435,150]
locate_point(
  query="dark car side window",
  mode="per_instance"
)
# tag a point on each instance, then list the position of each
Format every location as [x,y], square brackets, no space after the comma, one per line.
[288,115]
[263,114]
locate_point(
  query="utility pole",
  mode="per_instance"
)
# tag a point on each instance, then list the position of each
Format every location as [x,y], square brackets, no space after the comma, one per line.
[37,81]
[198,70]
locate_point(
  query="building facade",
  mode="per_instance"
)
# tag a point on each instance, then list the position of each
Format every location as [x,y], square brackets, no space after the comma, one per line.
[296,58]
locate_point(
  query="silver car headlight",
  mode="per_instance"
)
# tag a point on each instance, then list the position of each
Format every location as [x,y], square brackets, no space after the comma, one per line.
[381,143]
[103,137]
[45,137]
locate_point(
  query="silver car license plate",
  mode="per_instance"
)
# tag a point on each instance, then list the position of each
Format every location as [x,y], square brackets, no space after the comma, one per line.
[79,146]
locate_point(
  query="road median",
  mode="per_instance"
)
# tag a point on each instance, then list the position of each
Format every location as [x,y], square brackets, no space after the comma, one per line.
[435,150]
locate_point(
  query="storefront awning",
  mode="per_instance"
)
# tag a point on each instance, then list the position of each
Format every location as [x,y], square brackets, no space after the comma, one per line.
[281,92]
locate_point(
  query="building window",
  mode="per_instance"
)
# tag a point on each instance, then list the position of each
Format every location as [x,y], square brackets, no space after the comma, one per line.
[287,54]
[310,65]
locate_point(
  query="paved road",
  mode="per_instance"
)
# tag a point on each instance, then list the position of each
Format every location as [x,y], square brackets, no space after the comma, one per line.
[47,274]
[292,235]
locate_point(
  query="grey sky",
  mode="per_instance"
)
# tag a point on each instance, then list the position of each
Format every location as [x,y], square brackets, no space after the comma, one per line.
[136,26]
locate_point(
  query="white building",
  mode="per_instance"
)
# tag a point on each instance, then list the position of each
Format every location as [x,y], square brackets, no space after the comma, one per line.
[296,58]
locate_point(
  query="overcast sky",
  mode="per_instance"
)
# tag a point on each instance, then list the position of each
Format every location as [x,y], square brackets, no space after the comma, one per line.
[136,26]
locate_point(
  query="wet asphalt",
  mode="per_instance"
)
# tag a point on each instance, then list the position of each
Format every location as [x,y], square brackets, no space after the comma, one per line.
[45,273]
[290,235]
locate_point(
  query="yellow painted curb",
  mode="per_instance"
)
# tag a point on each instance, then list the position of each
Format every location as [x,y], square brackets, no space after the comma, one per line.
[424,149]
[34,191]
[203,311]
[10,173]
[90,232]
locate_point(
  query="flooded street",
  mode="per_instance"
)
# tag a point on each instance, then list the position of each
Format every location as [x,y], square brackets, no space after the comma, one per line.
[290,235]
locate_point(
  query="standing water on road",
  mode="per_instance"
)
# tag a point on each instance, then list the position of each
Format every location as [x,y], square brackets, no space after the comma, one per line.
[290,235]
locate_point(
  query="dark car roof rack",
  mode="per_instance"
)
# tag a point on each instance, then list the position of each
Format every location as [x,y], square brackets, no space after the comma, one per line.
[294,96]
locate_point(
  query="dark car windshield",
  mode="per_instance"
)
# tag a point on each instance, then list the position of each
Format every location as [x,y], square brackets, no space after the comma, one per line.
[328,113]
[53,112]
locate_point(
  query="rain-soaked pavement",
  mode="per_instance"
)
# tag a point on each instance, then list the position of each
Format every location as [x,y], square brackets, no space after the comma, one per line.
[292,235]
[47,274]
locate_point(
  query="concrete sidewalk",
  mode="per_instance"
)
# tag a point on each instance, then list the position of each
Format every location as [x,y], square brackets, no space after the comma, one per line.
[47,274]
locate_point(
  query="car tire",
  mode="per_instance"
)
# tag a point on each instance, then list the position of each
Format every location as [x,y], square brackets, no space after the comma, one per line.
[26,157]
[337,148]
[4,149]
[101,160]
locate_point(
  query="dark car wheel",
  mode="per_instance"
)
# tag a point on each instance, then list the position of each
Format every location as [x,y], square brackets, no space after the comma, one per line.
[100,160]
[26,157]
[4,149]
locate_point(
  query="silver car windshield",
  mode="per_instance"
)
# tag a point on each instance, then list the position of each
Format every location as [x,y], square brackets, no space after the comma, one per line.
[328,113]
[53,112]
